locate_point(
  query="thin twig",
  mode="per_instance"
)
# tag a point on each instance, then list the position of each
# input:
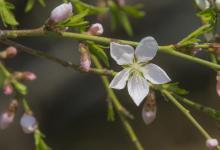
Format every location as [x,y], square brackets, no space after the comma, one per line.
[169,49]
[55,59]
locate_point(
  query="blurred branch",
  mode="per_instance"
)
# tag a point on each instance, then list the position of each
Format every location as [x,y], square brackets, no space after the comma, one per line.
[169,49]
[55,59]
[208,110]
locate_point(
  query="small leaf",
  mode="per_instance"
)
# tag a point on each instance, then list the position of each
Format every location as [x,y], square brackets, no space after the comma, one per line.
[21,88]
[42,3]
[193,37]
[126,23]
[29,5]
[75,21]
[99,52]
[174,87]
[7,16]
[134,11]
[81,7]
[120,17]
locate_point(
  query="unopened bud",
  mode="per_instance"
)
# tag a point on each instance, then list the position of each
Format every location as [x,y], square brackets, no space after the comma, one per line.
[29,76]
[202,4]
[7,117]
[85,60]
[11,52]
[96,29]
[8,52]
[28,123]
[61,12]
[149,110]
[211,143]
[121,2]
[8,89]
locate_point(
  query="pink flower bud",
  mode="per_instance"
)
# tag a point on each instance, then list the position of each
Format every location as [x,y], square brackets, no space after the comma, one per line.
[149,110]
[29,76]
[8,89]
[85,61]
[11,52]
[212,144]
[121,2]
[6,119]
[96,29]
[218,83]
[61,12]
[28,123]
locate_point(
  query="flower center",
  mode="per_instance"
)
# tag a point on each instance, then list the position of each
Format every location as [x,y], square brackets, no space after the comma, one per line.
[135,67]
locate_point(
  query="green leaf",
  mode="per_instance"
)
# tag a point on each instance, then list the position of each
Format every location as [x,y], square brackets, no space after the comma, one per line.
[134,11]
[120,17]
[42,3]
[174,87]
[77,20]
[99,52]
[21,88]
[208,16]
[7,16]
[29,5]
[2,78]
[126,23]
[193,37]
[81,6]
[39,142]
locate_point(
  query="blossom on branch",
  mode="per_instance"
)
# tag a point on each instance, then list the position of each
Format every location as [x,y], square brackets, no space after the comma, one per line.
[212,144]
[137,71]
[61,12]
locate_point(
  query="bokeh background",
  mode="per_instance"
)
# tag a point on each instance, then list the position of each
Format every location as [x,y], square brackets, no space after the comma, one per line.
[71,107]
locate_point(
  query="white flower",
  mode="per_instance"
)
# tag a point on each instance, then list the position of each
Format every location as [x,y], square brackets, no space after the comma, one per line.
[137,70]
[61,12]
[202,4]
[212,143]
[28,123]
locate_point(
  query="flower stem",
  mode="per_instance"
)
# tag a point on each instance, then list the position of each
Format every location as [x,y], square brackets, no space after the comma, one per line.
[187,114]
[208,110]
[79,36]
[119,108]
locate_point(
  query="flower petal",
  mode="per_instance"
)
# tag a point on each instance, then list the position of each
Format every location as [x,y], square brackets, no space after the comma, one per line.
[138,89]
[122,54]
[202,4]
[119,81]
[155,74]
[147,49]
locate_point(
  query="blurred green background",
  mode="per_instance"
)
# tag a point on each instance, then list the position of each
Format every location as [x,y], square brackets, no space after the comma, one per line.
[71,107]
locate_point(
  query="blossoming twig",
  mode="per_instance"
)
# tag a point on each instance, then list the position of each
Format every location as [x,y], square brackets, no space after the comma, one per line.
[169,49]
